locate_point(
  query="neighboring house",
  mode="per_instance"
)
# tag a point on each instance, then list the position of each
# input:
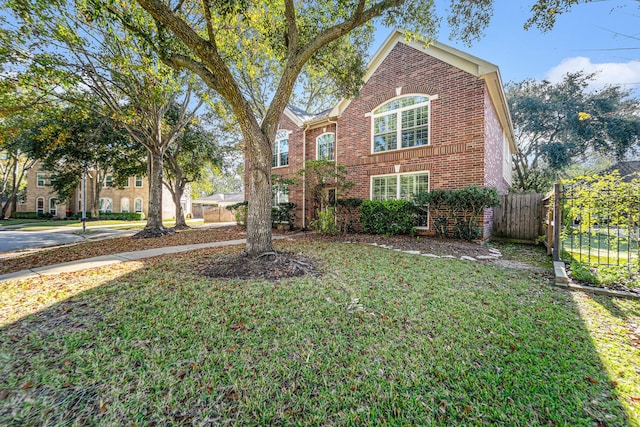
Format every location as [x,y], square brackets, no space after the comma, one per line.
[134,197]
[213,208]
[426,118]
[628,170]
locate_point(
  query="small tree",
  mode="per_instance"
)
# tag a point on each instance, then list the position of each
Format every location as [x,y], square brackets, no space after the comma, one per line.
[324,181]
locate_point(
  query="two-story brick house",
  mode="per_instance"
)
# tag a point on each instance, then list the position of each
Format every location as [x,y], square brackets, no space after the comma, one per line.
[427,117]
[133,197]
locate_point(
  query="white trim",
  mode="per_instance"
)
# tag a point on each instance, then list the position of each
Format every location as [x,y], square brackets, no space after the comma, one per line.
[44,179]
[54,211]
[452,56]
[399,121]
[281,135]
[424,172]
[37,200]
[334,145]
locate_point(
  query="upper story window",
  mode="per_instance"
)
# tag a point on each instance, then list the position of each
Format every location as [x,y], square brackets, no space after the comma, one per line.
[325,146]
[41,179]
[138,181]
[401,123]
[108,181]
[281,149]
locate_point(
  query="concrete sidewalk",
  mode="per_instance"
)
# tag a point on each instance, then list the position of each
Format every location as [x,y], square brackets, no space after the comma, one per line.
[101,261]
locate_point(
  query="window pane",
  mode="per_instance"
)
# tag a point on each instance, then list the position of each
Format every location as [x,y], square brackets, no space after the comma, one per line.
[137,205]
[400,103]
[385,124]
[384,188]
[325,147]
[385,142]
[413,184]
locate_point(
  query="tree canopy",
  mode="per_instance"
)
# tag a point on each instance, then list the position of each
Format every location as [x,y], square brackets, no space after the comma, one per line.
[232,44]
[563,123]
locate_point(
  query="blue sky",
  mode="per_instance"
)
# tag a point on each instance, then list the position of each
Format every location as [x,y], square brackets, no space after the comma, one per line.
[603,36]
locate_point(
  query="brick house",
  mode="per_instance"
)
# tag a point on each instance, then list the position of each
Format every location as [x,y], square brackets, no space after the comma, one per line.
[134,197]
[426,118]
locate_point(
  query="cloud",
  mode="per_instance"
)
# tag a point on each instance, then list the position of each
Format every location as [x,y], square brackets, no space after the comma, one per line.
[625,74]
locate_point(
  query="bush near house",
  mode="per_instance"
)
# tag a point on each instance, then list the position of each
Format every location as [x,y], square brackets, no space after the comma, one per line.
[456,212]
[388,217]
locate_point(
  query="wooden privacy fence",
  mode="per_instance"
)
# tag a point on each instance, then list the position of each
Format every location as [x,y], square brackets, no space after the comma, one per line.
[218,214]
[519,217]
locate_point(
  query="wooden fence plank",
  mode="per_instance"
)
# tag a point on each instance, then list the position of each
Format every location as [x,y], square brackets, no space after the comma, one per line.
[519,216]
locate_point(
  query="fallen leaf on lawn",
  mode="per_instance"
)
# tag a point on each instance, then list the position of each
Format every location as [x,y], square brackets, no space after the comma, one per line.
[593,380]
[27,385]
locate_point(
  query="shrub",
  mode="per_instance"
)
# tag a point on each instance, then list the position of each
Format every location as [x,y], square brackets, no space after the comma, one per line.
[388,217]
[240,212]
[326,222]
[31,215]
[284,213]
[457,210]
[121,216]
[346,211]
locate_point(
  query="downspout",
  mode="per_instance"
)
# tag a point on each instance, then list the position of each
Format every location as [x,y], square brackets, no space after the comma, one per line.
[304,176]
[335,166]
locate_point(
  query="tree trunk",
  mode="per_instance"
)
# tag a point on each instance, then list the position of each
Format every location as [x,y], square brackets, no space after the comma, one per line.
[260,200]
[181,223]
[154,227]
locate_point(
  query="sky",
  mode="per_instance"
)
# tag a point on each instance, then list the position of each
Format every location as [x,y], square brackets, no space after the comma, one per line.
[602,36]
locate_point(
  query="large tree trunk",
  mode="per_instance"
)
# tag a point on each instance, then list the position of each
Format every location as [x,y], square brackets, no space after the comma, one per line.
[177,193]
[259,213]
[154,227]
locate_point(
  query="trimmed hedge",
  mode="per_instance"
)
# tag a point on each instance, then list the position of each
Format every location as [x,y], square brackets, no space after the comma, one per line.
[122,216]
[388,217]
[31,215]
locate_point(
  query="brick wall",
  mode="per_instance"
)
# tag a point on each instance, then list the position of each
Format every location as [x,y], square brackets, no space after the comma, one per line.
[461,118]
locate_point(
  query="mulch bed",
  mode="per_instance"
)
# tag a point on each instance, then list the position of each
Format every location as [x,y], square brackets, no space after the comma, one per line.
[269,266]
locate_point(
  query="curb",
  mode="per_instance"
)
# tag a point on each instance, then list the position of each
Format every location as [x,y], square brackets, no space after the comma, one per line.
[562,281]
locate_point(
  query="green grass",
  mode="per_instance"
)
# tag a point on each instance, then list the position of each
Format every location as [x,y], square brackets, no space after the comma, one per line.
[384,338]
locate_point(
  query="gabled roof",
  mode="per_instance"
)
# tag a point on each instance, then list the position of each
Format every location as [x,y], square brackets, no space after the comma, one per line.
[452,56]
[457,58]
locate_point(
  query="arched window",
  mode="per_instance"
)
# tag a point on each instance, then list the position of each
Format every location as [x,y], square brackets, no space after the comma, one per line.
[281,149]
[137,205]
[40,205]
[401,123]
[125,206]
[325,145]
[105,204]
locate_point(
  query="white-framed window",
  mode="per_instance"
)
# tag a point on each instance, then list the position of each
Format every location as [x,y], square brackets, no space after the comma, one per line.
[399,186]
[137,205]
[280,194]
[126,183]
[105,204]
[125,205]
[400,123]
[325,146]
[506,160]
[281,149]
[40,205]
[108,181]
[41,179]
[53,206]
[138,182]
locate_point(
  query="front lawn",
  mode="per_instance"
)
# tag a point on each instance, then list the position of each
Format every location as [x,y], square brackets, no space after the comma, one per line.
[383,337]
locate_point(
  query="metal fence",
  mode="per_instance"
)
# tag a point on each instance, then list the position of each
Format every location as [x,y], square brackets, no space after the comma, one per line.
[599,226]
